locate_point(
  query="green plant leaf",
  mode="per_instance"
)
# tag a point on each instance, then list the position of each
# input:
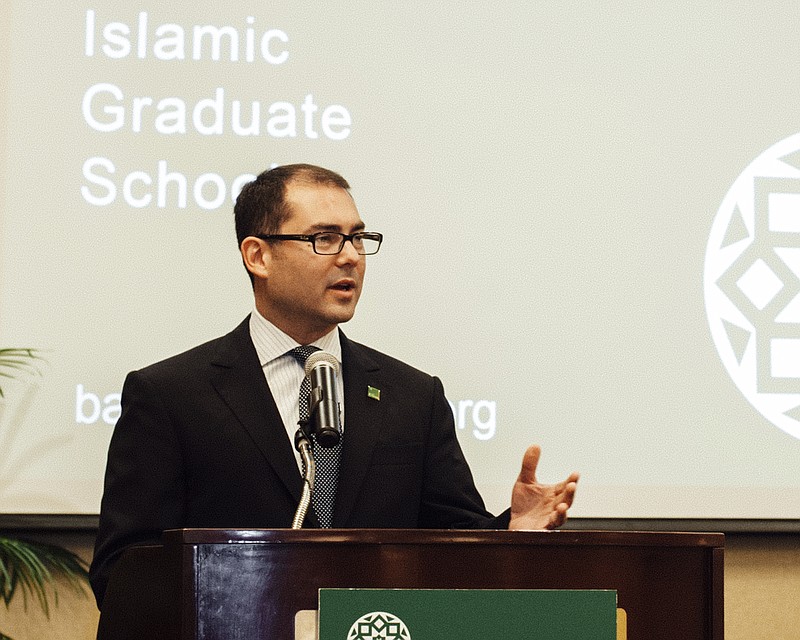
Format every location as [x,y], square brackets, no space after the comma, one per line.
[14,361]
[30,567]
[33,568]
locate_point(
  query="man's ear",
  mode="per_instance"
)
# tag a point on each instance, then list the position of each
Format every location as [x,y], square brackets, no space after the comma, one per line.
[256,256]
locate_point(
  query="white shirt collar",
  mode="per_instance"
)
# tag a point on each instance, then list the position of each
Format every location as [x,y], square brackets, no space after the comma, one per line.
[272,343]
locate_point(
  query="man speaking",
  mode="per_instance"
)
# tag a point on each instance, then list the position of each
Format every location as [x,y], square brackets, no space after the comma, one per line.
[205,438]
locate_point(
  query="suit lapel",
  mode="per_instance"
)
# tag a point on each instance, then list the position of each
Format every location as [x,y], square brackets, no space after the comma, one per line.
[363,416]
[241,384]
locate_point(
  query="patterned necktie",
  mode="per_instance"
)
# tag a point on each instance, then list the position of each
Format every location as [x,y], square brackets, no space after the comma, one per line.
[325,459]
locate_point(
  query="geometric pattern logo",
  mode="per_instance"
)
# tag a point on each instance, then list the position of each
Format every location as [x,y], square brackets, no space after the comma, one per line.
[751,284]
[378,625]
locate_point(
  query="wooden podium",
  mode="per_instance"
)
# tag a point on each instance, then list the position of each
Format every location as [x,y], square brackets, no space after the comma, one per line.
[214,584]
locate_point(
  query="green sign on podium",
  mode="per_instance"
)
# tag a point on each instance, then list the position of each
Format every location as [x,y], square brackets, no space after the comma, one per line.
[455,614]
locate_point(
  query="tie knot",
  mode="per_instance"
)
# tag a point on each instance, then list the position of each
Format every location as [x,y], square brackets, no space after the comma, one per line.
[301,353]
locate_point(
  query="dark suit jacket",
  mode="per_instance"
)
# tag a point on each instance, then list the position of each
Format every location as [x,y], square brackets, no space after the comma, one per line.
[200,443]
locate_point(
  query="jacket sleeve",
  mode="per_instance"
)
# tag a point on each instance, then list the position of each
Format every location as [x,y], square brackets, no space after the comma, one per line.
[450,498]
[144,482]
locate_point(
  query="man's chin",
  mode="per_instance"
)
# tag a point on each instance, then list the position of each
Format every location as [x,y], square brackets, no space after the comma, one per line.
[341,318]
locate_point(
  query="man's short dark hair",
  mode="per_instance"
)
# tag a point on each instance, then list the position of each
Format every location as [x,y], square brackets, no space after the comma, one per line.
[261,206]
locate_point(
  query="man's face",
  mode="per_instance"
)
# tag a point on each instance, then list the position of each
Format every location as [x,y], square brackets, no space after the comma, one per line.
[305,294]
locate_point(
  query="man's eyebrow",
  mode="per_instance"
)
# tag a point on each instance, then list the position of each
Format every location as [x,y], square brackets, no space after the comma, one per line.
[334,227]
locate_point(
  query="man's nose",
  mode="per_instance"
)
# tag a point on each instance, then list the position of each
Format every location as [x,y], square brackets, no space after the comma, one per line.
[348,252]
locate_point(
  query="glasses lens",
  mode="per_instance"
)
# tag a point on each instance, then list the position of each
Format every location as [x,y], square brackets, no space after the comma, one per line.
[367,244]
[328,243]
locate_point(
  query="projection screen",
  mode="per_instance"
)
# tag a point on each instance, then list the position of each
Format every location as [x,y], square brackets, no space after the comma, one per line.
[591,214]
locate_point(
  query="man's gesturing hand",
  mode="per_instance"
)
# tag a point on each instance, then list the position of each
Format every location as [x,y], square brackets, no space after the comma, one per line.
[539,506]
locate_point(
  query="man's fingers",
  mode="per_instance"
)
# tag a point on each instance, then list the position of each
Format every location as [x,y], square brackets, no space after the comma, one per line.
[529,463]
[571,484]
[570,489]
[559,516]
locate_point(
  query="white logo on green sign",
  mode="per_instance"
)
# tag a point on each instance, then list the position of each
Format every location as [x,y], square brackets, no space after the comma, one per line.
[378,625]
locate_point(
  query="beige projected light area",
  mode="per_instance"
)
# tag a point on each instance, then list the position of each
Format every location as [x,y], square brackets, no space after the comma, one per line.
[546,176]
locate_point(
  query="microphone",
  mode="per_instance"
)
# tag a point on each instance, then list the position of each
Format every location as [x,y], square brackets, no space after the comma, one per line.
[323,405]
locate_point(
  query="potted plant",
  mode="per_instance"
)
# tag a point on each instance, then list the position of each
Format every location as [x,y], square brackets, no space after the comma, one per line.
[27,567]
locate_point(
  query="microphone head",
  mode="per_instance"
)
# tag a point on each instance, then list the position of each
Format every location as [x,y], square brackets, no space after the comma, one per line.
[318,357]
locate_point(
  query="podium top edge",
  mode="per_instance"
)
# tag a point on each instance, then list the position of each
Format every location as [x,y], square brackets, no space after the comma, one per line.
[441,537]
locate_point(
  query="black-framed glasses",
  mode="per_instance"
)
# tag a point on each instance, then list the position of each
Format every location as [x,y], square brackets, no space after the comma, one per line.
[329,243]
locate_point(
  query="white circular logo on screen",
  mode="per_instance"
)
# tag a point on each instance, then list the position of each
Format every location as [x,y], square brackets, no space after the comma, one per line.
[378,625]
[752,283]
